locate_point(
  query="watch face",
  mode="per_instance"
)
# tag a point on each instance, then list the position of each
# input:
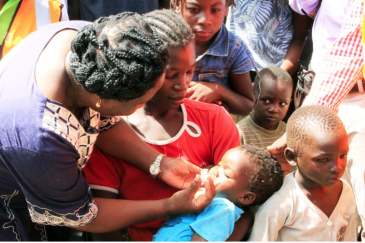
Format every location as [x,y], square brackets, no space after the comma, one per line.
[154,169]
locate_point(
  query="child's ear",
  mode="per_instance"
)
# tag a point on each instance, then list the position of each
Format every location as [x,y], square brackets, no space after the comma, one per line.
[291,156]
[248,198]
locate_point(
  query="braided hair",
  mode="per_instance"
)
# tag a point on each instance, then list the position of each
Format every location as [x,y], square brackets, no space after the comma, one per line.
[118,57]
[176,4]
[171,28]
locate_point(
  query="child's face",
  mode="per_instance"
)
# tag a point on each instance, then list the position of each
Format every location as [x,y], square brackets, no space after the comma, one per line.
[324,160]
[231,173]
[273,103]
[179,72]
[205,17]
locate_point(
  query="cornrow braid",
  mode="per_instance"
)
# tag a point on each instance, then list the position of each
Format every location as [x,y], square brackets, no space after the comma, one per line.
[118,57]
[171,27]
[176,4]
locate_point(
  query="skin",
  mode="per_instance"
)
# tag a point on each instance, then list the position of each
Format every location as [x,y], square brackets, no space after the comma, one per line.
[205,17]
[301,25]
[162,118]
[321,164]
[117,214]
[232,179]
[273,103]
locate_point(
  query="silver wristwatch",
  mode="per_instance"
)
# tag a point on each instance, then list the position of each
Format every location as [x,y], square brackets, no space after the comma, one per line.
[155,166]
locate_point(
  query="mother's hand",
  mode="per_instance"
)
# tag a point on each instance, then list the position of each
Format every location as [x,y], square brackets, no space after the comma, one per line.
[187,201]
[177,172]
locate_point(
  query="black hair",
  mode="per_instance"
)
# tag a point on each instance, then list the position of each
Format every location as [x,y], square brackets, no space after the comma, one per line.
[118,57]
[265,175]
[275,73]
[307,119]
[176,4]
[171,28]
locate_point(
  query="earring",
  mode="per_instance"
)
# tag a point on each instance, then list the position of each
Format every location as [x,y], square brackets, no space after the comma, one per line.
[98,103]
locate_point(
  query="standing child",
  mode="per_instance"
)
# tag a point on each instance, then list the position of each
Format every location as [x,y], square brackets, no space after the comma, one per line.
[246,176]
[223,59]
[264,125]
[313,204]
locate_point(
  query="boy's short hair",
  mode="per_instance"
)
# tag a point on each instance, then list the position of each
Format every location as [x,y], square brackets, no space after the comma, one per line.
[306,119]
[276,74]
[265,175]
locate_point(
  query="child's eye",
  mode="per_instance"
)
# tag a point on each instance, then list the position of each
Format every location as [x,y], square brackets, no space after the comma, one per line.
[225,174]
[282,103]
[266,101]
[342,156]
[214,10]
[322,160]
[193,10]
[170,76]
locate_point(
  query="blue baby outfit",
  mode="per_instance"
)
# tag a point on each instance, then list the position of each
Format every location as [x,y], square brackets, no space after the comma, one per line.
[227,54]
[215,223]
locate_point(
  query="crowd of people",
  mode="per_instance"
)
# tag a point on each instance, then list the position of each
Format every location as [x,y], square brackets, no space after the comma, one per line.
[166,121]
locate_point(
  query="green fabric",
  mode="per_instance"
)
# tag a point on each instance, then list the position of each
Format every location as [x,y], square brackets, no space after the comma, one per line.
[6,15]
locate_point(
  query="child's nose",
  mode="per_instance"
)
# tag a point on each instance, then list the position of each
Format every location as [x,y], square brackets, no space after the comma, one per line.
[182,85]
[204,18]
[274,108]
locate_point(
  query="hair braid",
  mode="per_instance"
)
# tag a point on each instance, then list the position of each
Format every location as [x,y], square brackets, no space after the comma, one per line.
[118,57]
[171,28]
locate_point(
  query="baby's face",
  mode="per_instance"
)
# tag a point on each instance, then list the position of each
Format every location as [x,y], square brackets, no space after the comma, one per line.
[232,175]
[324,160]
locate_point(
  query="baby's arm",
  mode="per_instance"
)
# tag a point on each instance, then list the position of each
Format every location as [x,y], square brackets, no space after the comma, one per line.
[242,226]
[239,100]
[197,237]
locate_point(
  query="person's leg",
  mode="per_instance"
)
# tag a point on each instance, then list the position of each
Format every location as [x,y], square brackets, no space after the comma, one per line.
[352,113]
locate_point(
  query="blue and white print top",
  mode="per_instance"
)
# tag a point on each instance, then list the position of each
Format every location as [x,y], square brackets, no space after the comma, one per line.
[43,148]
[265,26]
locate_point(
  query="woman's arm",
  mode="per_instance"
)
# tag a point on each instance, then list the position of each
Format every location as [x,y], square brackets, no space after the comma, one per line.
[110,236]
[239,100]
[122,142]
[301,25]
[115,214]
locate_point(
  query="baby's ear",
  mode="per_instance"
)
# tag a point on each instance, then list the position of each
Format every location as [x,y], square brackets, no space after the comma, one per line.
[291,156]
[247,199]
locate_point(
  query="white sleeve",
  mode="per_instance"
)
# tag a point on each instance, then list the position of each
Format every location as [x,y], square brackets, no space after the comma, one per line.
[270,218]
[307,5]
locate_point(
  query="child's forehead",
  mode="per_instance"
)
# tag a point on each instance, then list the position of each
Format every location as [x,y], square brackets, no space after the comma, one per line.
[210,2]
[238,158]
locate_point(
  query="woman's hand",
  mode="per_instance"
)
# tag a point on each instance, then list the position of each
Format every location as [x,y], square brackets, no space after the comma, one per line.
[204,92]
[277,150]
[177,172]
[190,200]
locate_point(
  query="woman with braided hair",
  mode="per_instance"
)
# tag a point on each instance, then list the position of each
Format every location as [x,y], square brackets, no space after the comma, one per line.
[54,87]
[174,126]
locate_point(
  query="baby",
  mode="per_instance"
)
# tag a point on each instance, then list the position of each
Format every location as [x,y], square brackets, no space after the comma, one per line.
[264,125]
[313,204]
[246,176]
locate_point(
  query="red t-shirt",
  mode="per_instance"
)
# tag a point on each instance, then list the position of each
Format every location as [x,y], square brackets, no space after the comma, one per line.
[214,133]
